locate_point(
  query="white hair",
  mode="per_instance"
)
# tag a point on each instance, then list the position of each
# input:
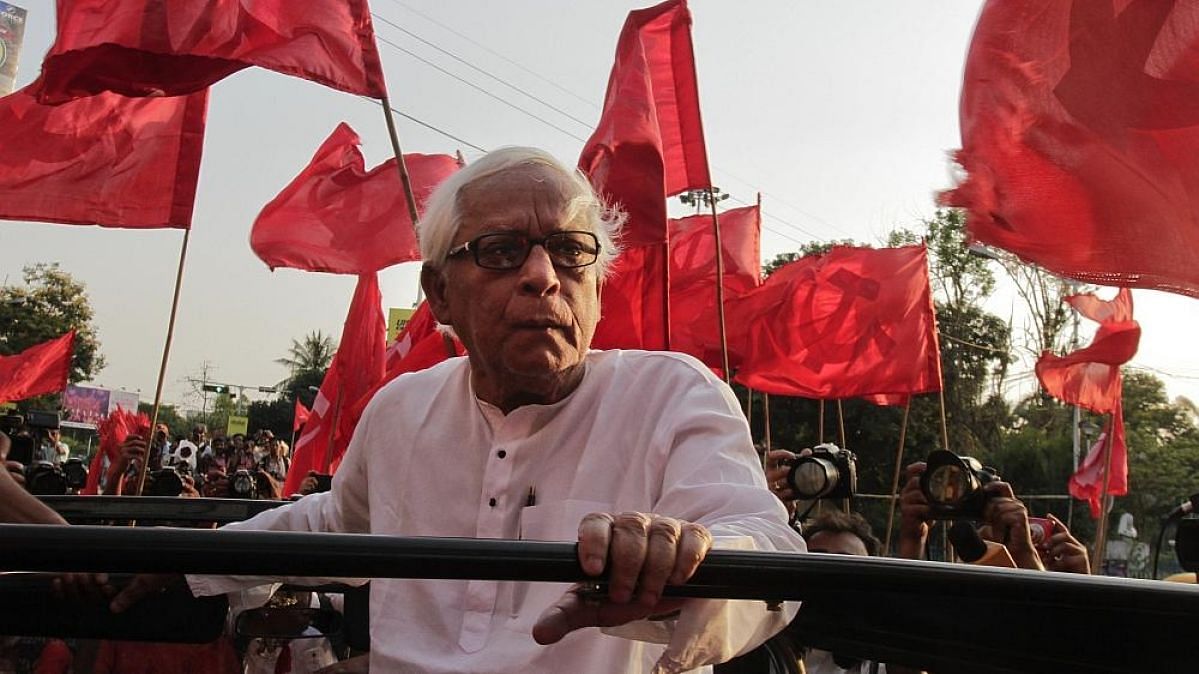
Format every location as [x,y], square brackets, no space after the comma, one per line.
[442,218]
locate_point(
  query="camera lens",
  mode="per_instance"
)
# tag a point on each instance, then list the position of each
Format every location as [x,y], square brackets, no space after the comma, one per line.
[812,478]
[948,484]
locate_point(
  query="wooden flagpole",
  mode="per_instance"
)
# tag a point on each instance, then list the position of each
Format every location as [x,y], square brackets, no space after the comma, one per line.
[820,422]
[162,368]
[944,421]
[841,424]
[1105,500]
[327,460]
[903,430]
[405,179]
[724,341]
[766,414]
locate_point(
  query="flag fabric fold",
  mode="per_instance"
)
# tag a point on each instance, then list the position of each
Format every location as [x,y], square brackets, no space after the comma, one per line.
[1080,127]
[1086,484]
[337,217]
[40,369]
[852,322]
[300,417]
[175,47]
[649,143]
[357,368]
[105,160]
[113,430]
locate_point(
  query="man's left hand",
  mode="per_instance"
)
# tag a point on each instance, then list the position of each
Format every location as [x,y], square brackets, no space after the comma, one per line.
[642,554]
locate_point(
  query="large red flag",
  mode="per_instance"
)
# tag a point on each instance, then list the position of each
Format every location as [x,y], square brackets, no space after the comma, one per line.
[173,47]
[42,368]
[105,160]
[632,313]
[1087,483]
[300,417]
[1080,135]
[356,369]
[338,217]
[649,143]
[1090,377]
[851,322]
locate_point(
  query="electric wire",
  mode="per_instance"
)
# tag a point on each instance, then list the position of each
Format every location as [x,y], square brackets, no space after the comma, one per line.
[425,124]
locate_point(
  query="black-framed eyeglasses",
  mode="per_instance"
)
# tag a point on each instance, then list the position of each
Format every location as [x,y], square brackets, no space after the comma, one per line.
[504,251]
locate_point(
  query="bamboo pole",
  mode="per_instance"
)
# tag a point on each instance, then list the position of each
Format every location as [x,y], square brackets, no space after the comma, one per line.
[841,424]
[903,430]
[820,423]
[944,421]
[766,413]
[162,368]
[1101,534]
[405,179]
[724,341]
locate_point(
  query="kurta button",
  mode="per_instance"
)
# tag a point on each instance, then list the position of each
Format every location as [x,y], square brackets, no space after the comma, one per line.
[501,453]
[491,503]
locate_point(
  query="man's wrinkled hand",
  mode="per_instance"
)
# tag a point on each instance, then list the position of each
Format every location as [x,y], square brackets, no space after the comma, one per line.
[642,554]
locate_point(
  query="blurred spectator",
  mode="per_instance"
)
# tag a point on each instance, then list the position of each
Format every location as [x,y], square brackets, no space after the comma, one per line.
[56,450]
[275,463]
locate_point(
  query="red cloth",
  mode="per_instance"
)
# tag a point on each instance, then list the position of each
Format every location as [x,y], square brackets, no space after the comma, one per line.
[1090,377]
[1080,132]
[301,416]
[106,160]
[55,658]
[42,368]
[173,47]
[356,369]
[338,217]
[694,323]
[1087,483]
[649,142]
[852,322]
[113,430]
[1119,308]
[633,299]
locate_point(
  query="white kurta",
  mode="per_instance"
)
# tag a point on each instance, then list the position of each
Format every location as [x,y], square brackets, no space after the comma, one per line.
[645,431]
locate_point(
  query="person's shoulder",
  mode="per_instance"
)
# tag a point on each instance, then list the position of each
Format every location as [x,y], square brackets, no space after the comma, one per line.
[421,382]
[655,364]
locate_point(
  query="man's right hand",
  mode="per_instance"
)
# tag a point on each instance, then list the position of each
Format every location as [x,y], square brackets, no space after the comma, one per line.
[914,520]
[143,585]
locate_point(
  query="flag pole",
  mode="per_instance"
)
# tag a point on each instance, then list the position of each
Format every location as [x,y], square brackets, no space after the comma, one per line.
[328,458]
[903,430]
[162,368]
[820,422]
[766,413]
[944,421]
[405,179]
[840,424]
[666,290]
[1105,499]
[724,341]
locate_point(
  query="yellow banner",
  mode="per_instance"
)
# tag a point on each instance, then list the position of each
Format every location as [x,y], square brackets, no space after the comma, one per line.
[237,425]
[396,320]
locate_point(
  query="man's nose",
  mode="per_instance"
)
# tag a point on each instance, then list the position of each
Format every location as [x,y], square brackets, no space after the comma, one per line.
[538,276]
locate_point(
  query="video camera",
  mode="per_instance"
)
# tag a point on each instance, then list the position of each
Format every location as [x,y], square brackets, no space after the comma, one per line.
[43,478]
[828,472]
[954,485]
[27,433]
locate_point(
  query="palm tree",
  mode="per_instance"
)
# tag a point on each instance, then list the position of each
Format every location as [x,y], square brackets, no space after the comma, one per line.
[309,355]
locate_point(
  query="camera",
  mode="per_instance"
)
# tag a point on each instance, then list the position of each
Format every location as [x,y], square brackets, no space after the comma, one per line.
[954,484]
[28,433]
[828,472]
[43,478]
[167,481]
[243,484]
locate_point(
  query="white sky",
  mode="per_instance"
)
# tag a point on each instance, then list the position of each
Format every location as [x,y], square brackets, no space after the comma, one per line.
[840,113]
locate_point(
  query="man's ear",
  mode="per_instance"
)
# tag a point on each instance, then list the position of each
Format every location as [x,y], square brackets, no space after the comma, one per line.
[432,281]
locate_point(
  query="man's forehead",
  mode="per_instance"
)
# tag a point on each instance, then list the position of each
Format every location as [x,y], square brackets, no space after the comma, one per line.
[520,188]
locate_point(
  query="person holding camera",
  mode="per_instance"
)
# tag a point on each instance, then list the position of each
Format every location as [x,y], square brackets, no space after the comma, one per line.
[18,506]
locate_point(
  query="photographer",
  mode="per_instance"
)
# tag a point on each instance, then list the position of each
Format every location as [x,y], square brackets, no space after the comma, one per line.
[16,505]
[122,474]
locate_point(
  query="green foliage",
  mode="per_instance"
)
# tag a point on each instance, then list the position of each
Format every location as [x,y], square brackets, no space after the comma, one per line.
[809,248]
[177,425]
[306,361]
[50,304]
[276,415]
[958,277]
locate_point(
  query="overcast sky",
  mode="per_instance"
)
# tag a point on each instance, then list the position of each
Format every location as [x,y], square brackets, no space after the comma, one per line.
[842,115]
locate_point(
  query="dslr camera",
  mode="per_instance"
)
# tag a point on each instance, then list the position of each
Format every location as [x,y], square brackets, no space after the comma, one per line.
[28,433]
[243,484]
[954,485]
[828,472]
[43,478]
[167,481]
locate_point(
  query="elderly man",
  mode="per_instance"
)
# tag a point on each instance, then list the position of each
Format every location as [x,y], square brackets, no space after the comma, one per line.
[643,458]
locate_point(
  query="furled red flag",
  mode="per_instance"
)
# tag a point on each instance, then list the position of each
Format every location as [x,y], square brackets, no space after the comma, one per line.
[649,143]
[42,368]
[173,47]
[632,314]
[113,430]
[694,323]
[1080,137]
[301,416]
[852,322]
[1090,377]
[1087,483]
[338,217]
[356,368]
[105,160]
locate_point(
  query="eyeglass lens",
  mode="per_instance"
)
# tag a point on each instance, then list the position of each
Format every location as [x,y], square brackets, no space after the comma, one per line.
[510,250]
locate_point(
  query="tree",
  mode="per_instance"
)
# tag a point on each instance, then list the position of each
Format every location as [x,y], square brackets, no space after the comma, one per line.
[306,359]
[809,248]
[50,304]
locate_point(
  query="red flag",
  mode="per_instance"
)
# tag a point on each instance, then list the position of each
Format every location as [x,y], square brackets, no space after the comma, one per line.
[300,417]
[106,160]
[649,143]
[1087,483]
[1090,377]
[852,322]
[168,48]
[113,430]
[632,314]
[338,217]
[42,368]
[1080,129]
[356,369]
[1119,308]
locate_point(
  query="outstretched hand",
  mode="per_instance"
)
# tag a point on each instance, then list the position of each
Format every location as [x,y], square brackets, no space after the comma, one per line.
[643,554]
